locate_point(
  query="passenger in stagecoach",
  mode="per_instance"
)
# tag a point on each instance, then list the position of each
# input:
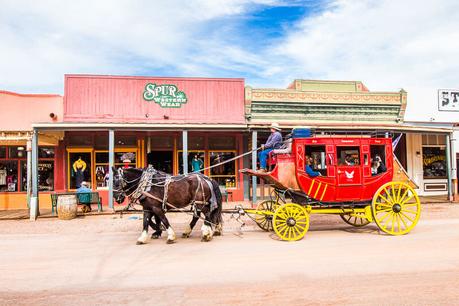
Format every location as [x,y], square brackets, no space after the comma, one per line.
[381,167]
[348,161]
[309,170]
[274,142]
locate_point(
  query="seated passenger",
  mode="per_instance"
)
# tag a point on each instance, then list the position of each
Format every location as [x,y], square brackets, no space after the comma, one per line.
[374,168]
[309,169]
[274,142]
[381,168]
[348,161]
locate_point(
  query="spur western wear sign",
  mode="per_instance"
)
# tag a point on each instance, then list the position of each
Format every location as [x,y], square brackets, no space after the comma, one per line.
[448,100]
[165,95]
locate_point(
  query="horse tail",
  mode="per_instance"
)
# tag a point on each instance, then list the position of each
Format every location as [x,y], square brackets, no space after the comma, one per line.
[216,214]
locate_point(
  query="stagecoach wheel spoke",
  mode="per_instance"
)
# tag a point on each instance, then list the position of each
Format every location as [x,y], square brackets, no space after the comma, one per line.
[264,217]
[402,204]
[290,222]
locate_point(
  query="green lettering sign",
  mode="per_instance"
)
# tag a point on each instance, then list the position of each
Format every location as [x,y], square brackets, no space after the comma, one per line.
[166,95]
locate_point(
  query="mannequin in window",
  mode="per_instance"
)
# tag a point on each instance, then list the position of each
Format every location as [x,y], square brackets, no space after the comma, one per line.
[196,164]
[78,167]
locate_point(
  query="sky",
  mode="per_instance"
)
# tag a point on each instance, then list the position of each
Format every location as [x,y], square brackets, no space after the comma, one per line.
[386,44]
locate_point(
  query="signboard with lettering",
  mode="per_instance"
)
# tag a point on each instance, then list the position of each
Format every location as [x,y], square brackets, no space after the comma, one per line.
[448,100]
[166,95]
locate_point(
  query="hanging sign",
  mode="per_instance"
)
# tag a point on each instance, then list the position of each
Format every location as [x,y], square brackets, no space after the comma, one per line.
[448,100]
[165,95]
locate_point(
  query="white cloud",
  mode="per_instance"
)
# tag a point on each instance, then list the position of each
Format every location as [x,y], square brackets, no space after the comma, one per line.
[42,40]
[386,44]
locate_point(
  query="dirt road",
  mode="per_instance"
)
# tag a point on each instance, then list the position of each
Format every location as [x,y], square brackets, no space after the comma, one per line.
[94,261]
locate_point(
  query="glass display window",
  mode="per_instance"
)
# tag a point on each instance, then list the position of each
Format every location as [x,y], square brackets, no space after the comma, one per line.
[196,161]
[224,174]
[80,168]
[2,152]
[46,152]
[8,176]
[101,164]
[17,152]
[45,175]
[222,143]
[434,162]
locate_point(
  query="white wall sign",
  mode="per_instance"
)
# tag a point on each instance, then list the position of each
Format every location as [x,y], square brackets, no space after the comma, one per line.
[448,100]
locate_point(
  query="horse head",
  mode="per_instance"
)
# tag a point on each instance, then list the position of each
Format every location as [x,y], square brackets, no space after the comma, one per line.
[124,182]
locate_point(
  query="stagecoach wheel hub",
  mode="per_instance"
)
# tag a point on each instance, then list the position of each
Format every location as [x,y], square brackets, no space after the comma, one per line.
[291,222]
[397,208]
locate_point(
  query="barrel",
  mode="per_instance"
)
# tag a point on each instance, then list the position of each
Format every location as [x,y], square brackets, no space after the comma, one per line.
[67,207]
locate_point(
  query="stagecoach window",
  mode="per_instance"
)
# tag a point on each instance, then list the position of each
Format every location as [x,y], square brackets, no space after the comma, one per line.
[348,156]
[316,155]
[378,150]
[9,176]
[224,174]
[434,162]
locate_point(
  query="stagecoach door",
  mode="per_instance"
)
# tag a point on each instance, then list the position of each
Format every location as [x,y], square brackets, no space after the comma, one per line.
[349,173]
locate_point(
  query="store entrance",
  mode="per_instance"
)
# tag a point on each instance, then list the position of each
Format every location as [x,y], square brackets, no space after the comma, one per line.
[161,160]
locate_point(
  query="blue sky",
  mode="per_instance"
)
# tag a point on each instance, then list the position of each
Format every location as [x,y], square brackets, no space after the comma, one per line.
[387,44]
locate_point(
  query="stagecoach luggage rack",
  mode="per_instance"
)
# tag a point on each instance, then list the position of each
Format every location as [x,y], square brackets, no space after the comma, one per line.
[84,198]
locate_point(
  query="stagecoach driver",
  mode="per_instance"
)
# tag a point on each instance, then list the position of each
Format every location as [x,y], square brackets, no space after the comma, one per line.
[274,142]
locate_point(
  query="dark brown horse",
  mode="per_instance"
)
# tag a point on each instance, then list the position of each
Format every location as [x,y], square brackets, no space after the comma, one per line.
[158,192]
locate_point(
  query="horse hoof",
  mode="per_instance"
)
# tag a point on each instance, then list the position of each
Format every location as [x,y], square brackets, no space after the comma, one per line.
[185,235]
[155,236]
[206,238]
[217,233]
[170,241]
[139,242]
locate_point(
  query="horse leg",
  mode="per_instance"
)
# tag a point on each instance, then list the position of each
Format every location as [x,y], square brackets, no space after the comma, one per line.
[187,232]
[206,229]
[146,222]
[157,227]
[170,232]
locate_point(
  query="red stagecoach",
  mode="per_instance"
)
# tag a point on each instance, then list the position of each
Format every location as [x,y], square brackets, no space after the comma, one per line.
[357,178]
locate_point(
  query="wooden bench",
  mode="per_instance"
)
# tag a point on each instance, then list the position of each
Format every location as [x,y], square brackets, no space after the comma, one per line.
[83,198]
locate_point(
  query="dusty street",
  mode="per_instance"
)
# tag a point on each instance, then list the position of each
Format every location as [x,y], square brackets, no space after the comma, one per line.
[94,261]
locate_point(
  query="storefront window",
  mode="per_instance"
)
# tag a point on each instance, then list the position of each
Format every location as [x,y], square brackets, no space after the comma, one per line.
[196,161]
[2,152]
[17,152]
[162,142]
[194,143]
[101,166]
[434,162]
[222,143]
[9,176]
[80,168]
[45,152]
[224,174]
[45,175]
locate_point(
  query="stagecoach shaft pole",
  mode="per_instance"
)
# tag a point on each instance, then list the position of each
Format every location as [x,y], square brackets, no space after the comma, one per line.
[254,166]
[111,164]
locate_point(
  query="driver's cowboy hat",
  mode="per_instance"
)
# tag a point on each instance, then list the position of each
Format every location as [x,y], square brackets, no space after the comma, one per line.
[275,126]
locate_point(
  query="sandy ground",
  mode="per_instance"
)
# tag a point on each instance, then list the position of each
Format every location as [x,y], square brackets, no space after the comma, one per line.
[94,261]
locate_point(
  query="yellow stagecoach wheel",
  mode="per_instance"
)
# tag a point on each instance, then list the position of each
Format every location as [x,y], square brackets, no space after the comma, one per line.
[265,219]
[291,222]
[396,208]
[355,220]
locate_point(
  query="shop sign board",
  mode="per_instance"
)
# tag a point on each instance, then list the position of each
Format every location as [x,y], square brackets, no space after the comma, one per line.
[165,95]
[448,100]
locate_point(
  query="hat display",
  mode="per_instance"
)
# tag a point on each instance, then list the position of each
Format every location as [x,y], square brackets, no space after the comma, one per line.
[275,126]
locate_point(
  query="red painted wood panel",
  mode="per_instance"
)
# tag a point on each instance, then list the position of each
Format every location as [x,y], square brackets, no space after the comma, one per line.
[116,99]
